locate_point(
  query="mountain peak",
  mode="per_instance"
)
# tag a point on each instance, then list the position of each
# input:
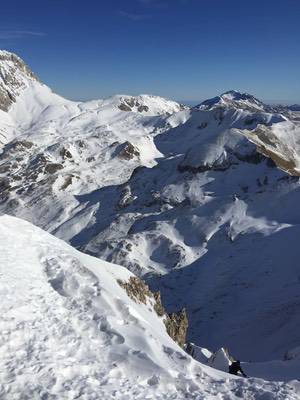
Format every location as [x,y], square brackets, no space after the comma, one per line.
[236,95]
[15,76]
[234,99]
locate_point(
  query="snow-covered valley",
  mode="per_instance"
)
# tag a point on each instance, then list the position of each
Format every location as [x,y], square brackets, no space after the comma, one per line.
[202,203]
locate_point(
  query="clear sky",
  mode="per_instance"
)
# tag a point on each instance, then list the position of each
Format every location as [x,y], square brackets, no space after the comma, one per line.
[181,49]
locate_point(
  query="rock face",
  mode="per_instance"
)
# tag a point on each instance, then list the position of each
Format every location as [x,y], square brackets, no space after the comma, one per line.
[130,104]
[14,75]
[127,151]
[176,323]
[51,168]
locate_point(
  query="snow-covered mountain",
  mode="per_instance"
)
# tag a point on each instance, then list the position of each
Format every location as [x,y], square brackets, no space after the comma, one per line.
[200,202]
[14,78]
[234,99]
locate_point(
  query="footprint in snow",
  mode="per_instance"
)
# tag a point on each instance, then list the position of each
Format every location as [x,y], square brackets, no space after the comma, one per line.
[69,278]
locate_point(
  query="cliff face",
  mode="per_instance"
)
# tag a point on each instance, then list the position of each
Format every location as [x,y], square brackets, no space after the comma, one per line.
[176,323]
[14,76]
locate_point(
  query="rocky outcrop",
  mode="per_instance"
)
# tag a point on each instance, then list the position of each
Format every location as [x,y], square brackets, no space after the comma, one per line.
[68,181]
[13,75]
[136,289]
[127,151]
[51,168]
[176,323]
[65,153]
[132,104]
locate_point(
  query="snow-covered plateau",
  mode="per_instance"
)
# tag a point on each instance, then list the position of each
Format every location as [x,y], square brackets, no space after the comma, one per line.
[202,203]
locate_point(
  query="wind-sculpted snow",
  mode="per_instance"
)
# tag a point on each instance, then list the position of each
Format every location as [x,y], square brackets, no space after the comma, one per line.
[201,202]
[68,330]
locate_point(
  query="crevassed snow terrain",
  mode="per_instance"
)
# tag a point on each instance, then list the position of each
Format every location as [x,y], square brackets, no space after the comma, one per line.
[201,202]
[68,331]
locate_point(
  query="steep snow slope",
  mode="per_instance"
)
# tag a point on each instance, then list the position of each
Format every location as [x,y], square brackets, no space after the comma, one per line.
[68,330]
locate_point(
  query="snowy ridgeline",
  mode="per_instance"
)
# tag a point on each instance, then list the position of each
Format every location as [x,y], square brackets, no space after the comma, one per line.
[68,330]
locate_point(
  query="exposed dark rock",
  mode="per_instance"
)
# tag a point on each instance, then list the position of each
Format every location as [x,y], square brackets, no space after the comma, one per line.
[176,323]
[40,159]
[136,289]
[124,107]
[142,108]
[129,103]
[18,63]
[68,182]
[18,145]
[65,153]
[80,143]
[128,246]
[127,151]
[253,158]
[6,99]
[176,326]
[4,168]
[5,188]
[202,168]
[53,167]
[158,307]
[11,83]
[4,184]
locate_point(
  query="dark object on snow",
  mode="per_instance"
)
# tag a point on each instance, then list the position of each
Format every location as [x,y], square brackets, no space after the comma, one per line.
[235,368]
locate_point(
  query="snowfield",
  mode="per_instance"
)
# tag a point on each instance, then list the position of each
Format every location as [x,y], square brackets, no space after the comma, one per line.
[69,331]
[200,202]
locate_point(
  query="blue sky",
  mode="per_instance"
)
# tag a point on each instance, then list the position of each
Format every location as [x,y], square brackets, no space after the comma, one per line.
[182,49]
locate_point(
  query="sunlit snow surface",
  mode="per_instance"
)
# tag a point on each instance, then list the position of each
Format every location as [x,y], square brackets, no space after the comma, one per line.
[69,331]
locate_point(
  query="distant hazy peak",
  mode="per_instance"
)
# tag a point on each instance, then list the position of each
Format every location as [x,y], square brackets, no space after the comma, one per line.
[234,98]
[148,104]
